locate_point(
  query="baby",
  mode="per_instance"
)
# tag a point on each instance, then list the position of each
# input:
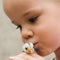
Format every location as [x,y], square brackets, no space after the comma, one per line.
[39,23]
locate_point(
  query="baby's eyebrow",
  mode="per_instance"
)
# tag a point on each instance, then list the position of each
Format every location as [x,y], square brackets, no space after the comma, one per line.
[31,12]
[26,13]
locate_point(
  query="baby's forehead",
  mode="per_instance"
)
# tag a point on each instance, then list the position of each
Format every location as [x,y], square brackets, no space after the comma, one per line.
[18,3]
[20,6]
[11,5]
[22,2]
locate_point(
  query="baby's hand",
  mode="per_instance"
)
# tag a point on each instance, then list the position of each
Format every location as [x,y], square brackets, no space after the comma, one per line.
[24,56]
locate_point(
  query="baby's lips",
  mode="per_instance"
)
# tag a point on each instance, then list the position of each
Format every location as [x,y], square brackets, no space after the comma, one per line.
[35,45]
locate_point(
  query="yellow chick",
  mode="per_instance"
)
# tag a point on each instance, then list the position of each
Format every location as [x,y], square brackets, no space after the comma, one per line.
[28,48]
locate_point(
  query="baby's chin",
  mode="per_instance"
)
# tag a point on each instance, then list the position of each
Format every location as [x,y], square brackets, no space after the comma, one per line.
[42,53]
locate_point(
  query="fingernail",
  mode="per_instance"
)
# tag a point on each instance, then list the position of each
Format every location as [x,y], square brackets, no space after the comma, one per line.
[11,58]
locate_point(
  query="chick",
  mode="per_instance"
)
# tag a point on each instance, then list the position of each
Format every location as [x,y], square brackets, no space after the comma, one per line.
[28,48]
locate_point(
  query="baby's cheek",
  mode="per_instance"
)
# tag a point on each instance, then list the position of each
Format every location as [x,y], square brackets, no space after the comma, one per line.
[44,36]
[47,35]
[48,39]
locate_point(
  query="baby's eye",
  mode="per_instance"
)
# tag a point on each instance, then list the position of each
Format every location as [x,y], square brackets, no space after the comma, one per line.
[19,26]
[33,19]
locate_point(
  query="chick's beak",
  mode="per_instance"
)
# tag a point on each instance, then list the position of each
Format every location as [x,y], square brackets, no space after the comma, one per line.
[30,50]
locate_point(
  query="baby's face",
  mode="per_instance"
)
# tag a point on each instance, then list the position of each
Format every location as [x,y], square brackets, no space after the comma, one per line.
[38,22]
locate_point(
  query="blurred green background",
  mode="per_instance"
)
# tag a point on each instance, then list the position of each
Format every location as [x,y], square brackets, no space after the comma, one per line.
[10,38]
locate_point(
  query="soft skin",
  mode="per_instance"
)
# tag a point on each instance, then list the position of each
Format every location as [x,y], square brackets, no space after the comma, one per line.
[45,29]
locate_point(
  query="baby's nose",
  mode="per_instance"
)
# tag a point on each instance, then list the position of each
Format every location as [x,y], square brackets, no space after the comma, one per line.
[27,34]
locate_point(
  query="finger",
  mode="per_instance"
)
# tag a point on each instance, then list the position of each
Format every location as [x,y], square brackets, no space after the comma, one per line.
[30,55]
[11,58]
[22,56]
[35,55]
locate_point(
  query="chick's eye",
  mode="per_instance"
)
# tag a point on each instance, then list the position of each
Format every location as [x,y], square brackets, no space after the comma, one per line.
[33,19]
[26,48]
[19,26]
